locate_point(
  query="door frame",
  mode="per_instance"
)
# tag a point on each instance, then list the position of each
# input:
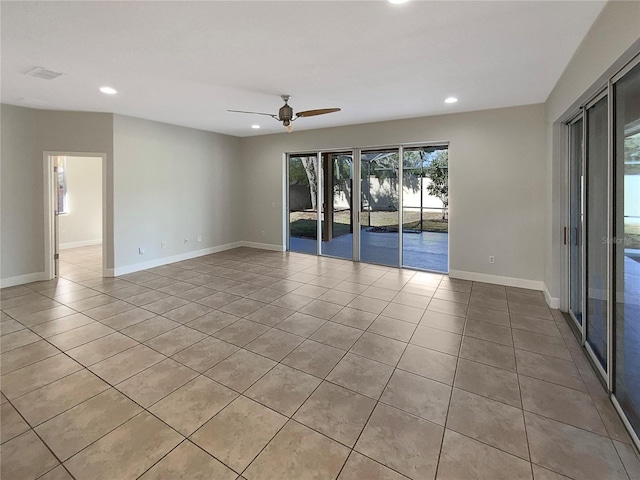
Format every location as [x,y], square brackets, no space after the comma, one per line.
[49,212]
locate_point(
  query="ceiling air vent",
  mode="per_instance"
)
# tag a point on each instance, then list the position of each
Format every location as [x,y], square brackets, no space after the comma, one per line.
[40,72]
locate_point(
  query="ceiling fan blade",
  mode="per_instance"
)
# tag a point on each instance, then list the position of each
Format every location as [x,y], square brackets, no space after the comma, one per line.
[313,113]
[254,113]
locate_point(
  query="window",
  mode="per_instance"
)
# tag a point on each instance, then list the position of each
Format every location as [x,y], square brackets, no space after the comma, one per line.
[60,169]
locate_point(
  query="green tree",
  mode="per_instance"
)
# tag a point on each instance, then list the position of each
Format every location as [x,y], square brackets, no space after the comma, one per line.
[342,176]
[303,171]
[297,173]
[438,173]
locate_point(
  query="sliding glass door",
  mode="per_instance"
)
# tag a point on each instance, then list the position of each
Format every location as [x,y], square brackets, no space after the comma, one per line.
[597,193]
[425,208]
[337,199]
[379,215]
[388,206]
[626,247]
[604,237]
[574,235]
[303,200]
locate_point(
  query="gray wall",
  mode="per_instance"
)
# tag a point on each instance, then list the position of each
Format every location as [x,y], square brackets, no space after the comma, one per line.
[85,133]
[173,183]
[26,134]
[22,203]
[497,182]
[170,183]
[614,31]
[613,38]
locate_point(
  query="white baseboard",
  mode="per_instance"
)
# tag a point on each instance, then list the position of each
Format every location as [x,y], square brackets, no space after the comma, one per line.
[158,262]
[22,279]
[553,302]
[509,282]
[189,255]
[84,243]
[497,279]
[263,246]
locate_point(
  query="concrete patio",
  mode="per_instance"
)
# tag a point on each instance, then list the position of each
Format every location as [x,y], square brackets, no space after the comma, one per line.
[423,250]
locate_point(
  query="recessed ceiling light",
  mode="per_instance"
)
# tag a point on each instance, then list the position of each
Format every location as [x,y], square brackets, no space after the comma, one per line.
[398,2]
[108,90]
[451,100]
[255,126]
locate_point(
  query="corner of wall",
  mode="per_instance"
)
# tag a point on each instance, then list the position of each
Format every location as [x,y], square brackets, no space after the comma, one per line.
[199,202]
[553,302]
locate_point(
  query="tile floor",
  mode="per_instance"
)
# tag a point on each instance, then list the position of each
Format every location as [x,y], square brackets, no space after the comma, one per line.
[260,365]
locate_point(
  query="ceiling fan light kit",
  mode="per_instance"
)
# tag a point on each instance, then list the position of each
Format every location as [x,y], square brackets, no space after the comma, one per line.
[286,115]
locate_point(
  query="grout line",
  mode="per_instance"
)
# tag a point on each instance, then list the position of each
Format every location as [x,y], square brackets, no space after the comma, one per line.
[304,339]
[455,374]
[524,421]
[39,438]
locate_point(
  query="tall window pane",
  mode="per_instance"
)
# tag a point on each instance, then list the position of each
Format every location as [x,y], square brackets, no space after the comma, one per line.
[380,217]
[576,217]
[597,230]
[303,211]
[425,202]
[627,245]
[337,200]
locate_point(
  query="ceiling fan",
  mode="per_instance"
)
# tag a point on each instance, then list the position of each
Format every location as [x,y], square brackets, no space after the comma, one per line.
[286,115]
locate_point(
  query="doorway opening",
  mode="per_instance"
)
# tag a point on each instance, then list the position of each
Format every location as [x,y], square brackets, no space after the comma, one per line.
[74,215]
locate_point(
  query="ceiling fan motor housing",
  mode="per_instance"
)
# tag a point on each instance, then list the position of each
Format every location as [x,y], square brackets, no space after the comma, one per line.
[285,114]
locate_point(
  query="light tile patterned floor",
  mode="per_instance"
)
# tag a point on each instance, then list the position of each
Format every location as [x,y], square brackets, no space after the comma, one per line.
[287,366]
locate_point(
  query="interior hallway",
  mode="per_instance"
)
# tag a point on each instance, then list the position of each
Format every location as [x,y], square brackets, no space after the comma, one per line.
[289,366]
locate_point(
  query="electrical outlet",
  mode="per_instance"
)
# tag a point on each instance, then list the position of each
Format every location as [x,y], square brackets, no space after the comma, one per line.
[199,239]
[186,240]
[262,233]
[492,259]
[163,244]
[141,250]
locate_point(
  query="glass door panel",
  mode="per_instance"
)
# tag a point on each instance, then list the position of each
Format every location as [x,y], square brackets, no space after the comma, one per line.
[337,195]
[303,211]
[597,230]
[574,236]
[379,216]
[627,246]
[425,200]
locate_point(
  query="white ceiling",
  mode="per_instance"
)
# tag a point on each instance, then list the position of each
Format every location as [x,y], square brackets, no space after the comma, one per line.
[186,63]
